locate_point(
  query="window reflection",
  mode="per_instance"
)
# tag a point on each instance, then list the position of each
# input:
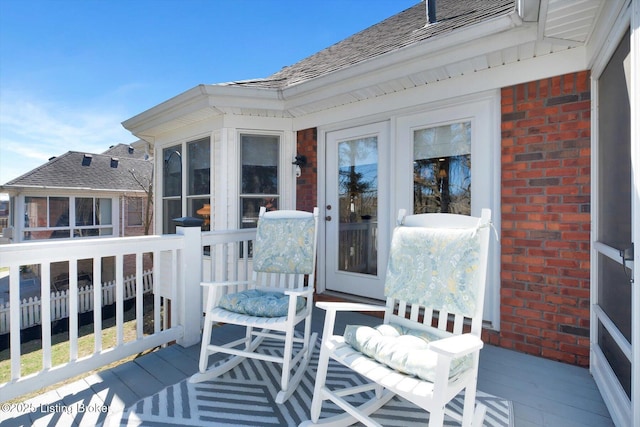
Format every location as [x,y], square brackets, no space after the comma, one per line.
[84,211]
[35,212]
[259,177]
[358,199]
[199,167]
[172,172]
[442,169]
[172,187]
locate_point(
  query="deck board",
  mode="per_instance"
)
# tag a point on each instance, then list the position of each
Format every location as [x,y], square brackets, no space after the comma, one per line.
[161,369]
[543,392]
[183,359]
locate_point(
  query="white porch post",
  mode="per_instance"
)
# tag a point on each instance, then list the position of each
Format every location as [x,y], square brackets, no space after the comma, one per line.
[189,291]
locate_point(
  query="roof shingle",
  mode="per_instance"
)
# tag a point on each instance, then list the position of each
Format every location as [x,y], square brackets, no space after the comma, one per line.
[76,170]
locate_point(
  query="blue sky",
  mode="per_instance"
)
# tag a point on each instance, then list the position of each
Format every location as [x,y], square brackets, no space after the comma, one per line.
[72,70]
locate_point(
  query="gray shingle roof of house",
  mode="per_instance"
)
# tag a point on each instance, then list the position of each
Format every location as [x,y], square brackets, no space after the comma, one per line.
[125,151]
[404,29]
[76,170]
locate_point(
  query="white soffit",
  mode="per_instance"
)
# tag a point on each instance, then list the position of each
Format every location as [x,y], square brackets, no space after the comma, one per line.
[570,21]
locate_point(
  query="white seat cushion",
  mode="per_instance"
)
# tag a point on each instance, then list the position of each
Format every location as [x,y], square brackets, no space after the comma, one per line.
[402,349]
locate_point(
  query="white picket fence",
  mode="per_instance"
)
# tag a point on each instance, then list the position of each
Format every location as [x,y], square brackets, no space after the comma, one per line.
[30,313]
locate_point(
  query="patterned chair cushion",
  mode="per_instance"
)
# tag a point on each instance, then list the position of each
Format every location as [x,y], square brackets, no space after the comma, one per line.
[435,268]
[258,303]
[402,349]
[285,244]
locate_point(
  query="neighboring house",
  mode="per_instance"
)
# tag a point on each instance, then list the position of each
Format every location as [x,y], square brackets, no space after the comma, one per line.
[521,106]
[83,195]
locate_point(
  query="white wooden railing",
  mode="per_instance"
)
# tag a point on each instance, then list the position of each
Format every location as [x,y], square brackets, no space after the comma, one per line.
[30,308]
[44,254]
[227,254]
[180,262]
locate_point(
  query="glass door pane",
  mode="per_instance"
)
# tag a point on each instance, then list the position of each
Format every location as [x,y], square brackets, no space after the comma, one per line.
[358,205]
[442,169]
[357,200]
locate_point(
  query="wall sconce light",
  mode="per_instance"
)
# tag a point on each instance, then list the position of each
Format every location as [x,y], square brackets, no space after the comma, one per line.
[300,162]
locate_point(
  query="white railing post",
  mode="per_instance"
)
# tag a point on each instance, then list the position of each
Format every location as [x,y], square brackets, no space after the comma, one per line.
[189,278]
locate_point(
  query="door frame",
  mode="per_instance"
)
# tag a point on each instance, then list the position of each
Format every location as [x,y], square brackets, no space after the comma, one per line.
[623,411]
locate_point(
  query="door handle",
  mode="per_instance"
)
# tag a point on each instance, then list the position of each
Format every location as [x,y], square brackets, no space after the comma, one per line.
[627,255]
[328,217]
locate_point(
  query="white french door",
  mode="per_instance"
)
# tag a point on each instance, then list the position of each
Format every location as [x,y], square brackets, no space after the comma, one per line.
[357,224]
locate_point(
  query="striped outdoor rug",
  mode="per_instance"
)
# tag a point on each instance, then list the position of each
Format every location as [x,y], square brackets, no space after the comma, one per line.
[245,397]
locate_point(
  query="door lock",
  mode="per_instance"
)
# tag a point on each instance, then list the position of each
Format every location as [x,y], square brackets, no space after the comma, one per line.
[328,217]
[627,254]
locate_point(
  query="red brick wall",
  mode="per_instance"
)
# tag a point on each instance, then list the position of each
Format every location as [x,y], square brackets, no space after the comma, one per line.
[307,184]
[546,218]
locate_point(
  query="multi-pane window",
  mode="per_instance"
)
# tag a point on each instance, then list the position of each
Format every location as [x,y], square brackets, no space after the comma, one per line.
[195,170]
[259,184]
[442,169]
[48,217]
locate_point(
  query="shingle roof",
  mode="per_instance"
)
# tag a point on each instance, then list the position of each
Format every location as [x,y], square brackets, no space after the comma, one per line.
[404,29]
[125,151]
[87,171]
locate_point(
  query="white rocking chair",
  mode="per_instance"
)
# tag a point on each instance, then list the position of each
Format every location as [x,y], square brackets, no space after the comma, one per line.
[279,297]
[427,349]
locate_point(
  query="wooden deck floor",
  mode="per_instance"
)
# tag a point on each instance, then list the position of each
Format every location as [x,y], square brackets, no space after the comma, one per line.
[543,392]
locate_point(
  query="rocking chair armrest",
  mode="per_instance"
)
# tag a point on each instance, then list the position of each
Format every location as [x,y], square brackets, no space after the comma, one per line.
[223,284]
[348,306]
[457,345]
[300,292]
[332,307]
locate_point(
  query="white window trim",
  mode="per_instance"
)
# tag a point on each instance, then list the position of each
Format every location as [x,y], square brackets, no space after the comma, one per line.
[279,190]
[286,172]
